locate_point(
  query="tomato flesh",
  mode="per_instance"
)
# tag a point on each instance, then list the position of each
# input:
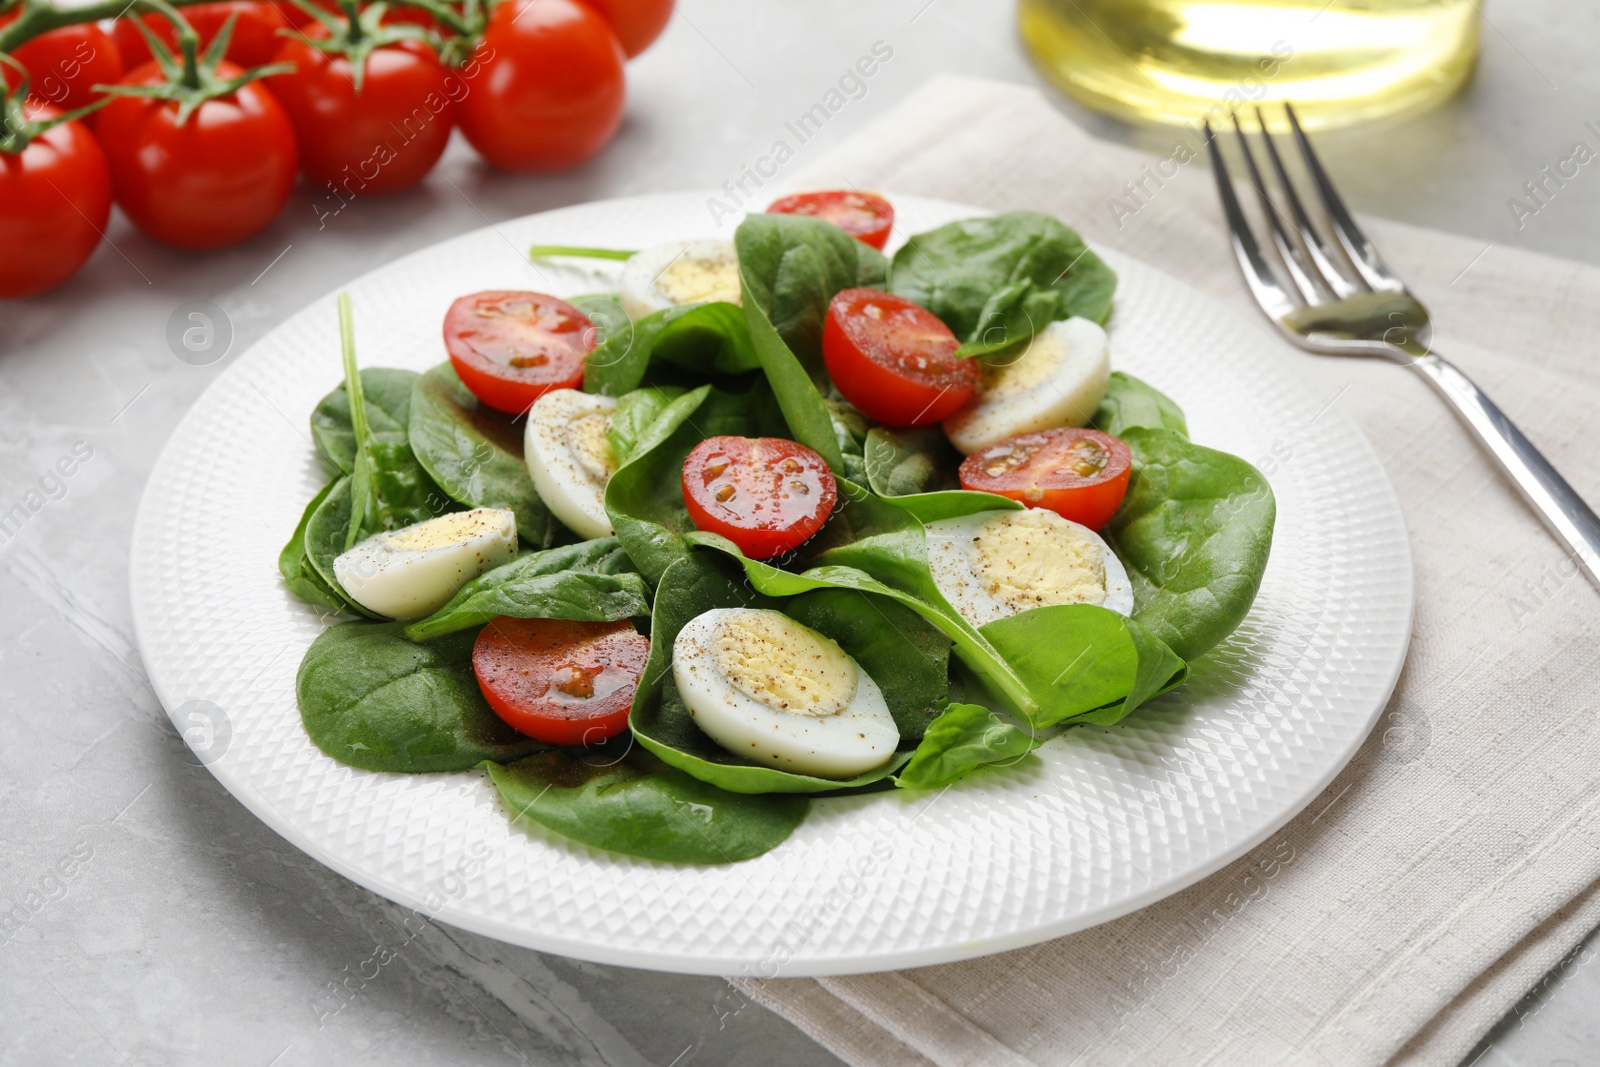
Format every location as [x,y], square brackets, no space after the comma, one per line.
[563,682]
[510,348]
[893,360]
[545,88]
[1079,474]
[867,217]
[767,495]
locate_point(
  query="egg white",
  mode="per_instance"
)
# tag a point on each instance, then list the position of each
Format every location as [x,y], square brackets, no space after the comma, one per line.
[414,571]
[570,459]
[740,710]
[679,272]
[1041,565]
[1057,380]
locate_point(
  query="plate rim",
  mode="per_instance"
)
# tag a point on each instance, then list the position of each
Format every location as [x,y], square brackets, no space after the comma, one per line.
[392,889]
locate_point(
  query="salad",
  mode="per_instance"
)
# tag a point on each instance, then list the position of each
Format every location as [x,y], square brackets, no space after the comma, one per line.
[779,517]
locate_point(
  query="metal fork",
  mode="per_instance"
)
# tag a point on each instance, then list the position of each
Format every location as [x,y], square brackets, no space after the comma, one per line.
[1351,304]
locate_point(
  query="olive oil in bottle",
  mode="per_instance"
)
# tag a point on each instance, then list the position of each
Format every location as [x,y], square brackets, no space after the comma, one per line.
[1178,61]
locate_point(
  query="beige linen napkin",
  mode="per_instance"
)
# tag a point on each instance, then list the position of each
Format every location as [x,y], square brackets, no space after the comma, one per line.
[1456,859]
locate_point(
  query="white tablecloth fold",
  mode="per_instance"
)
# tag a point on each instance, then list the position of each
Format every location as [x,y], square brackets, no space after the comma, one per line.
[1457,858]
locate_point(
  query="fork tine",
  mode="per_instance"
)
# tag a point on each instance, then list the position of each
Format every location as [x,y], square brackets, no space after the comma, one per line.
[1363,256]
[1287,253]
[1322,257]
[1271,296]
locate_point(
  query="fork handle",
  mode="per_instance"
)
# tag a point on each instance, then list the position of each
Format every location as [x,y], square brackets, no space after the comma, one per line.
[1572,521]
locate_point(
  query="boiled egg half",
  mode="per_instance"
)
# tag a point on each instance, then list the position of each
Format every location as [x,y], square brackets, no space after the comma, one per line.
[679,272]
[996,564]
[570,458]
[415,570]
[778,693]
[1057,379]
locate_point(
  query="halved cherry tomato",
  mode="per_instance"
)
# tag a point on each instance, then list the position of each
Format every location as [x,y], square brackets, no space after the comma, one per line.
[767,495]
[511,348]
[893,360]
[867,217]
[568,683]
[55,197]
[636,23]
[1079,474]
[545,86]
[255,34]
[380,140]
[65,65]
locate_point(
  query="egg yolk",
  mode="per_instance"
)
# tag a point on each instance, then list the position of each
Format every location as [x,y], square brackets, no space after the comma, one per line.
[1028,559]
[769,657]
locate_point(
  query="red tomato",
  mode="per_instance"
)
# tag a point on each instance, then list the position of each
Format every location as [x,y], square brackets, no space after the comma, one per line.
[867,217]
[545,86]
[567,683]
[767,495]
[255,34]
[55,197]
[383,139]
[511,348]
[637,23]
[1080,475]
[893,360]
[65,65]
[219,178]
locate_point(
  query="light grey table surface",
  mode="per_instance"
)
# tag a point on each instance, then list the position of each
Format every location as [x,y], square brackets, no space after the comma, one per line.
[188,932]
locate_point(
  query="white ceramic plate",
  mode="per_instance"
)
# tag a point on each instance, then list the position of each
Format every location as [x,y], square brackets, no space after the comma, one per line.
[1105,822]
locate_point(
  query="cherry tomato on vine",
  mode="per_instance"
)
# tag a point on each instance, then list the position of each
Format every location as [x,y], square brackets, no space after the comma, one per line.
[545,86]
[867,217]
[637,23]
[1079,474]
[894,360]
[214,181]
[65,65]
[767,495]
[511,348]
[55,197]
[255,34]
[563,682]
[385,137]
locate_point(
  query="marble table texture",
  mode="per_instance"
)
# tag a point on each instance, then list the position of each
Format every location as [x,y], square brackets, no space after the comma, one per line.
[173,928]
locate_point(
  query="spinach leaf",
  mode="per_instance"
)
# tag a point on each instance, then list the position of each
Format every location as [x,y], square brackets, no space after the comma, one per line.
[705,339]
[372,699]
[1083,662]
[474,453]
[388,396]
[635,413]
[592,582]
[696,583]
[1194,531]
[644,498]
[915,471]
[996,281]
[962,739]
[388,487]
[850,429]
[638,806]
[870,544]
[298,575]
[807,416]
[612,327]
[1130,402]
[790,266]
[326,529]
